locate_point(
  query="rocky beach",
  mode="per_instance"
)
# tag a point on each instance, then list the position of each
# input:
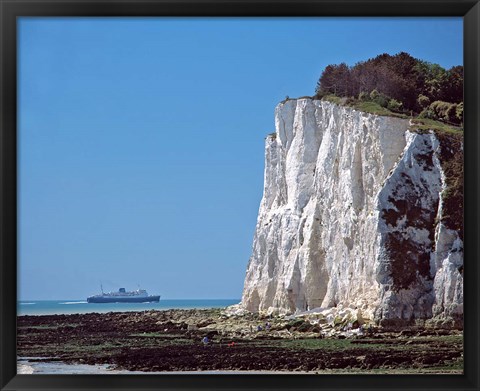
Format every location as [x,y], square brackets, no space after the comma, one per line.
[325,341]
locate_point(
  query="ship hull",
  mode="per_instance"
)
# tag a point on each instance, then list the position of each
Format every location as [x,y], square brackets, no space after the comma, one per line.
[100,299]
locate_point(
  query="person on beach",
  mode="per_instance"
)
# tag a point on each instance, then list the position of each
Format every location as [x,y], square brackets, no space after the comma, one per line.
[360,329]
[259,328]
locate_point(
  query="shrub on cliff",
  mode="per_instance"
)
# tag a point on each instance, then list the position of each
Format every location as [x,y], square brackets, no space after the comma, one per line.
[363,96]
[379,98]
[459,112]
[423,101]
[444,111]
[394,105]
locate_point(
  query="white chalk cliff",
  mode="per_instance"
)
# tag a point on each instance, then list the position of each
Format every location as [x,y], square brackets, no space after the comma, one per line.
[352,215]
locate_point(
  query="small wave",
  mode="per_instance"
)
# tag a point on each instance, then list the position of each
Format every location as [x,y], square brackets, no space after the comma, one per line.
[27,303]
[75,302]
[24,369]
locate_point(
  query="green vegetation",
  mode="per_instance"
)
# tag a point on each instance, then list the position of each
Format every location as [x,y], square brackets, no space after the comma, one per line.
[334,99]
[398,85]
[148,335]
[53,326]
[424,124]
[41,327]
[324,344]
[361,104]
[419,124]
[347,344]
[375,108]
[443,111]
[156,335]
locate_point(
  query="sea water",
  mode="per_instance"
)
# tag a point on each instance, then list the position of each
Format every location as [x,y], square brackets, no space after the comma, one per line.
[66,307]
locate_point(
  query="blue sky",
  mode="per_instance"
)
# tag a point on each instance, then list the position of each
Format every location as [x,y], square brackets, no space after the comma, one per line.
[141,141]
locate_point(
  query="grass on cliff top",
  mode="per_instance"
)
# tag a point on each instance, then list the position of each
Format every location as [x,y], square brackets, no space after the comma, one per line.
[375,108]
[334,99]
[419,124]
[424,124]
[365,106]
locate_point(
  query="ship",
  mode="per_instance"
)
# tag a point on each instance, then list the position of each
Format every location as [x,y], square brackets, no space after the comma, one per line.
[123,296]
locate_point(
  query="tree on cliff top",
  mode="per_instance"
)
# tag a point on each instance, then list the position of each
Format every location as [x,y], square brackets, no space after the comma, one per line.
[402,78]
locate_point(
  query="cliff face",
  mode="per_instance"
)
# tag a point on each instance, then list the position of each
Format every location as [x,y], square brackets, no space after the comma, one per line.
[352,214]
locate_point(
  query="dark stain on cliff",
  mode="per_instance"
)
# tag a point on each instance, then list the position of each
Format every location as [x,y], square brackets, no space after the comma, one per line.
[406,179]
[391,216]
[410,262]
[425,160]
[410,208]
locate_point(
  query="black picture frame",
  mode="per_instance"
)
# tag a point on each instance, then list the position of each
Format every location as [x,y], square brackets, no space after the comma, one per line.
[10,10]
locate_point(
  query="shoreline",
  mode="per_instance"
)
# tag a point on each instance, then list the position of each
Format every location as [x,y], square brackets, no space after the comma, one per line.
[75,307]
[172,341]
[26,367]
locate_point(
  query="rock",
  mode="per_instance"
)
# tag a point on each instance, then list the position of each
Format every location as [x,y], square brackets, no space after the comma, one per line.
[204,323]
[234,310]
[349,219]
[359,318]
